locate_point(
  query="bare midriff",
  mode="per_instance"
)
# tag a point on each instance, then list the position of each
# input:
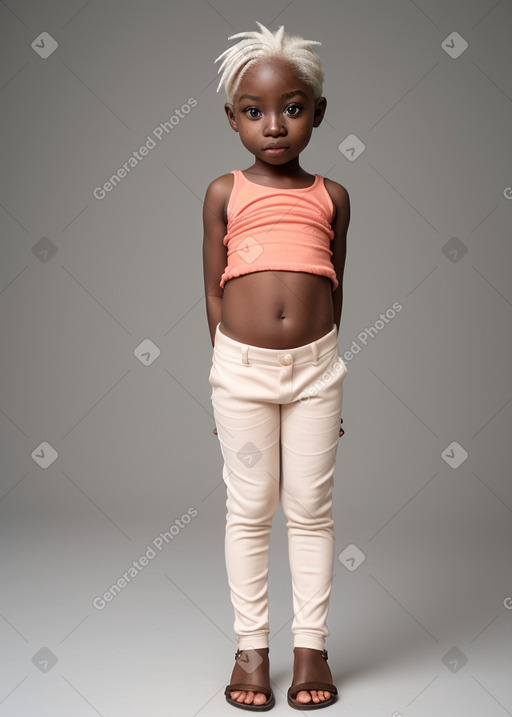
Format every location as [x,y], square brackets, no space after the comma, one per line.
[277,309]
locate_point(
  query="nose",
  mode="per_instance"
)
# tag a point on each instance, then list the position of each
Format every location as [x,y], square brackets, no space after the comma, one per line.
[274,125]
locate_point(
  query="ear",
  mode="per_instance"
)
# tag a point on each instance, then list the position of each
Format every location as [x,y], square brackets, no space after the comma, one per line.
[230,112]
[320,106]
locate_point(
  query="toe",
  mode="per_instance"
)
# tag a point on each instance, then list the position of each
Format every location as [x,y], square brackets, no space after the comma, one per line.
[314,696]
[249,698]
[303,697]
[259,699]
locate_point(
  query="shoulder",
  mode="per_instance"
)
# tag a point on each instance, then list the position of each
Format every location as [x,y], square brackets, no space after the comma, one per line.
[340,197]
[217,194]
[221,186]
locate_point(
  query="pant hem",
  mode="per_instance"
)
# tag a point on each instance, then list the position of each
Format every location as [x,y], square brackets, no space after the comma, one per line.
[315,643]
[253,643]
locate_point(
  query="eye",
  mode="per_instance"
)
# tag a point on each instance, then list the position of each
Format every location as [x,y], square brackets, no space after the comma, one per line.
[295,107]
[251,109]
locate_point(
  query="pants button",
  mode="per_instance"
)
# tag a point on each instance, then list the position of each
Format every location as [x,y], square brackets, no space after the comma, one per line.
[286,359]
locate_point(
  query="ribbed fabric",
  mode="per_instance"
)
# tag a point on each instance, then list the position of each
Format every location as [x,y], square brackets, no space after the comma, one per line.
[279,229]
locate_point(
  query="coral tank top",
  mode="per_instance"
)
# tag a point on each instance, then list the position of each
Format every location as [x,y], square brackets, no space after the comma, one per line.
[280,229]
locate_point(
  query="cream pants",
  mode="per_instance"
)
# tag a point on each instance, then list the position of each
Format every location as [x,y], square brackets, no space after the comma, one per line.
[277,414]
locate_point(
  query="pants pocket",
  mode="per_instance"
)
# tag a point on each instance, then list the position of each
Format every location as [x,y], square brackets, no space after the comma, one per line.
[212,369]
[340,367]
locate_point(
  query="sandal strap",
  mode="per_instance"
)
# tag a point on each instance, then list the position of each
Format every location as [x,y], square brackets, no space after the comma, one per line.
[238,653]
[323,654]
[245,687]
[294,691]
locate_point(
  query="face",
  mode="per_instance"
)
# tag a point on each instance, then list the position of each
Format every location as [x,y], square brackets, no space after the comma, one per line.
[272,106]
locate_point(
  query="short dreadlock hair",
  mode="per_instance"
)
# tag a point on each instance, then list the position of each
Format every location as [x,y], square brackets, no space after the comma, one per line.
[257,46]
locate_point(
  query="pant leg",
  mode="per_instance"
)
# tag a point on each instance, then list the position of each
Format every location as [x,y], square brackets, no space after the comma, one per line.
[260,396]
[248,428]
[309,441]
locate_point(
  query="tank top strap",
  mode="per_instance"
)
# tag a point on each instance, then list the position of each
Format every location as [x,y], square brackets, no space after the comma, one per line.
[237,185]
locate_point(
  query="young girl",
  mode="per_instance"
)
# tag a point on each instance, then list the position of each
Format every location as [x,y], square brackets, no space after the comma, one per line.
[274,254]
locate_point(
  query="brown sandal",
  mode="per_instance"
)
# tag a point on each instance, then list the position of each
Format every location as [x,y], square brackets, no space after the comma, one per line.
[251,662]
[312,685]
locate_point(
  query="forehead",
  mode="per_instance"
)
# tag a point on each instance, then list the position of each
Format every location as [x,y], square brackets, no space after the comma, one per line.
[271,77]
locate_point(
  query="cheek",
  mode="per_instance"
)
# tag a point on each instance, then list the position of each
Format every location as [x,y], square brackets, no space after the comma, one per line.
[247,125]
[247,130]
[303,133]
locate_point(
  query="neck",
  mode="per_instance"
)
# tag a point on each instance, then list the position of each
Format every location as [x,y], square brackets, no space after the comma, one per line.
[289,169]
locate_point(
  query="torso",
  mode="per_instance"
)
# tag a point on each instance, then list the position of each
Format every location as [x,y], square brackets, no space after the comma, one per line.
[277,309]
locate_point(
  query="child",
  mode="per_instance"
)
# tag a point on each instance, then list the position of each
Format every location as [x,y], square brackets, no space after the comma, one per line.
[274,253]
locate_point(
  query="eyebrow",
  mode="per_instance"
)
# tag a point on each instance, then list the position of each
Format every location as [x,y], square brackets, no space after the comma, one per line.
[286,96]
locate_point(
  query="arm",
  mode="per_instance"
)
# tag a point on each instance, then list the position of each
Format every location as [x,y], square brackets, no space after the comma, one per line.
[214,251]
[341,201]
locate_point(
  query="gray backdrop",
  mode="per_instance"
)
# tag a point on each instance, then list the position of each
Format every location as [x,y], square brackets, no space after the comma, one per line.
[114,597]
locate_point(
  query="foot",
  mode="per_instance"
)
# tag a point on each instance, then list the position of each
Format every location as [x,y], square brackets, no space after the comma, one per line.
[310,666]
[251,667]
[248,698]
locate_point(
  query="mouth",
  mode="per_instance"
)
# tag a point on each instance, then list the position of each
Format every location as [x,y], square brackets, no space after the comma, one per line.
[275,149]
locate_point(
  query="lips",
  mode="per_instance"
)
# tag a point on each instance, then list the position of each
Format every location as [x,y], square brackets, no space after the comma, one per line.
[276,150]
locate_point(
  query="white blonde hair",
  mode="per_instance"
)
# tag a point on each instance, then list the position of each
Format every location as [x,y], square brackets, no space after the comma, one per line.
[264,45]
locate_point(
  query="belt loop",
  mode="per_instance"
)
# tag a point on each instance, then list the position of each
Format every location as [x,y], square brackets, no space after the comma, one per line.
[245,352]
[314,350]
